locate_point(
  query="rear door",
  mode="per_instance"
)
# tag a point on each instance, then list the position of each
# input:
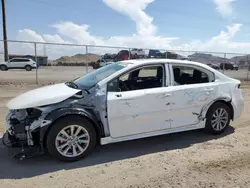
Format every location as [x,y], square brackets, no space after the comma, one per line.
[26,62]
[192,89]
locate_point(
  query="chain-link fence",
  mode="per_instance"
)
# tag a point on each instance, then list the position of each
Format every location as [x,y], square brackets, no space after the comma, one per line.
[62,62]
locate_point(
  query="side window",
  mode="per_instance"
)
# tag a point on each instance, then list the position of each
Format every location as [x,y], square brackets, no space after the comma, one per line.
[15,60]
[144,78]
[188,75]
[19,60]
[148,72]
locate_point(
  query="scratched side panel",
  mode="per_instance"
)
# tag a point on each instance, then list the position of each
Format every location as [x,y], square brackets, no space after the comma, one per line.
[188,101]
[138,111]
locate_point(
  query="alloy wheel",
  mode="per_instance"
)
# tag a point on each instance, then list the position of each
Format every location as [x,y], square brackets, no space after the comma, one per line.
[72,141]
[219,119]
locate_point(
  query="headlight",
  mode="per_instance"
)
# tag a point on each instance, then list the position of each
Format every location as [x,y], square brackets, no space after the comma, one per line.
[19,114]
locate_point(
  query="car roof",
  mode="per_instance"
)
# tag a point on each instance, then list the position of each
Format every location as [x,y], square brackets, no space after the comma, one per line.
[20,58]
[155,61]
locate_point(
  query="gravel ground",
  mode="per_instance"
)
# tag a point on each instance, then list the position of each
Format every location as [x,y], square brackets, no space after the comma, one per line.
[189,159]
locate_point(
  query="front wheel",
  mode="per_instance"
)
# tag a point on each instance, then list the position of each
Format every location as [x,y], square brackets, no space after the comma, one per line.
[218,118]
[3,67]
[71,138]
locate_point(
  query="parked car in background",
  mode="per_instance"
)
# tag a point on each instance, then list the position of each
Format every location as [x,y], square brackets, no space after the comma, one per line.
[185,58]
[122,55]
[156,54]
[18,63]
[214,66]
[170,55]
[229,66]
[109,56]
[137,53]
[122,101]
[236,67]
[102,62]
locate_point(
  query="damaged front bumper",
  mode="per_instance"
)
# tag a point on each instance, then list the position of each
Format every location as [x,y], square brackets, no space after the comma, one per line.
[24,127]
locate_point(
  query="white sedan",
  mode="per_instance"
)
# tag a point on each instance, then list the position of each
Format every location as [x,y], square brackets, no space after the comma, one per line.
[123,101]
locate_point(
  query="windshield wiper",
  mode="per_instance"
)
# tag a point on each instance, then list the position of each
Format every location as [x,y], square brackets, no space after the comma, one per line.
[72,85]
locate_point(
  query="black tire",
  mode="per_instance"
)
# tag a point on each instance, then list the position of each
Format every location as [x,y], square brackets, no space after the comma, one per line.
[3,67]
[62,123]
[208,127]
[28,68]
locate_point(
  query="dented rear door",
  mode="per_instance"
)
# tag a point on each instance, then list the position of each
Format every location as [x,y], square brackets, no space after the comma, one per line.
[188,102]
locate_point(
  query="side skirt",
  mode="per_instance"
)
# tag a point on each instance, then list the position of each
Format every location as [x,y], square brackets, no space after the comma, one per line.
[109,140]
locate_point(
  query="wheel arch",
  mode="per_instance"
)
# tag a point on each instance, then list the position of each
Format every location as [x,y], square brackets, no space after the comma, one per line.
[59,114]
[226,102]
[4,65]
[28,65]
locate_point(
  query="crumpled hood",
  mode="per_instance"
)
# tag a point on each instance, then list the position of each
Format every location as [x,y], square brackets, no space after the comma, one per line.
[42,96]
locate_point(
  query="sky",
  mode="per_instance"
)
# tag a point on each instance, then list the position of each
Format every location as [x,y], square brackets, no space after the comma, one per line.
[204,25]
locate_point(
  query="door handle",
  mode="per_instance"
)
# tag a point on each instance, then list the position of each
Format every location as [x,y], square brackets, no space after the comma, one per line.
[209,89]
[167,95]
[118,95]
[164,95]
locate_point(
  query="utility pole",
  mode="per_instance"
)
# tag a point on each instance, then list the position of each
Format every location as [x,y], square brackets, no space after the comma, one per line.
[6,56]
[44,50]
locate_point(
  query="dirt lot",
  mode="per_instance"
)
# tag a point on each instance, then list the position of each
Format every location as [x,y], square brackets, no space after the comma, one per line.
[189,159]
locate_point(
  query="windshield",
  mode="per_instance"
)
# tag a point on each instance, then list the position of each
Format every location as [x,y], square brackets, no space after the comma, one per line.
[91,79]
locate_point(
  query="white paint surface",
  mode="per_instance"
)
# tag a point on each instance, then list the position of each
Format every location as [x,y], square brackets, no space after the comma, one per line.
[190,99]
[42,96]
[138,111]
[137,114]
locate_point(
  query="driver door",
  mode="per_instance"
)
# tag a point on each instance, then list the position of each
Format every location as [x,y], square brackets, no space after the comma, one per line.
[139,103]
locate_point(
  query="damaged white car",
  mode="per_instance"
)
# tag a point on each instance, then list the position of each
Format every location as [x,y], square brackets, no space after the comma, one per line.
[122,101]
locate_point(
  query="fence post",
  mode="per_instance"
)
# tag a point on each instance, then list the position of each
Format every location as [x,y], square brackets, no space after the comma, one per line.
[248,68]
[36,63]
[87,66]
[225,55]
[129,53]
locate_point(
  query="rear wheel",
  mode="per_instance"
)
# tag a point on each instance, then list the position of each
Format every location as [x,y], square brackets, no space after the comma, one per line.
[3,67]
[71,138]
[28,68]
[218,118]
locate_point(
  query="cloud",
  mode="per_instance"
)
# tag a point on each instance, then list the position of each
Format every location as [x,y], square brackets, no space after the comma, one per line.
[26,34]
[135,11]
[224,7]
[80,34]
[223,42]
